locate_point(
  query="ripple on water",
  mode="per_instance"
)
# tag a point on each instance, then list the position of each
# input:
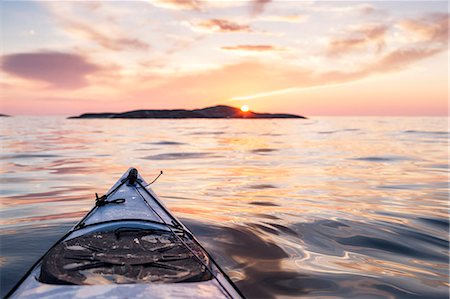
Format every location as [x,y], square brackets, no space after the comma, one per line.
[383,158]
[262,186]
[267,216]
[263,203]
[367,243]
[404,186]
[27,156]
[436,222]
[337,131]
[263,150]
[208,133]
[180,156]
[258,260]
[350,250]
[284,229]
[164,142]
[399,240]
[426,132]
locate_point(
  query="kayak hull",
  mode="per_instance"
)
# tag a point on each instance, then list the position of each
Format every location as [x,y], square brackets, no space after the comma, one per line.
[32,288]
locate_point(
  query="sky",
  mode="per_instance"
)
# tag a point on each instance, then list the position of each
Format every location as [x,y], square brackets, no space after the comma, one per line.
[305,57]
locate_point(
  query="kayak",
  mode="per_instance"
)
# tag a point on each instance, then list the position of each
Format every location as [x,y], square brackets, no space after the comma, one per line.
[127,246]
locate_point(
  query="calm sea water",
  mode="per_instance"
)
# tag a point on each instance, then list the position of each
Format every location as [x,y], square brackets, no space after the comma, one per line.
[320,208]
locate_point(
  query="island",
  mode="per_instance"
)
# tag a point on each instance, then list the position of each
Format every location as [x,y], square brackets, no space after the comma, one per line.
[4,115]
[219,111]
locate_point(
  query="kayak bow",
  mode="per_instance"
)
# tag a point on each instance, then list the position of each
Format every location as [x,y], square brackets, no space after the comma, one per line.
[128,246]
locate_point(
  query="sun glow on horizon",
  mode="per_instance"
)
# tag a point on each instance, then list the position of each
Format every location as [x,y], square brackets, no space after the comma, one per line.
[245,108]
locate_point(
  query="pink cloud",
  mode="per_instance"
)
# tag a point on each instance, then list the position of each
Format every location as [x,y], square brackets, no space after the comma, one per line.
[296,18]
[222,25]
[432,27]
[112,42]
[400,58]
[258,6]
[179,4]
[253,48]
[358,39]
[61,70]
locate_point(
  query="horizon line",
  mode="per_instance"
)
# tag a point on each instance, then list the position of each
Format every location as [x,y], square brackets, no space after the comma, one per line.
[309,116]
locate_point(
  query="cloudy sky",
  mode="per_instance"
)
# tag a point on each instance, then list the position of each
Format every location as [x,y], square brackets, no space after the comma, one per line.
[306,57]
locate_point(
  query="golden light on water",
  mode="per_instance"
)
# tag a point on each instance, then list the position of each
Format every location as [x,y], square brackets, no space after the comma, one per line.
[245,108]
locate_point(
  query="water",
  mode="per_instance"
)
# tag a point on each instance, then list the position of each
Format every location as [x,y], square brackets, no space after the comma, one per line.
[320,208]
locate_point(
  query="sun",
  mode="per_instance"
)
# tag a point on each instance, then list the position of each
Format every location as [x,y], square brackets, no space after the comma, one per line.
[245,108]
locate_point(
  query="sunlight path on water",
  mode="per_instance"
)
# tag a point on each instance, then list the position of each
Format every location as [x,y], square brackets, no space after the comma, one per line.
[340,207]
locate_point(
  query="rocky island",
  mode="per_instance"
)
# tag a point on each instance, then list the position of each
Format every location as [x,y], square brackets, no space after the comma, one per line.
[220,111]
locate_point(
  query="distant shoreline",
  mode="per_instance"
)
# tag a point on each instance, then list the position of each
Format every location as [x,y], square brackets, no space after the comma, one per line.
[220,111]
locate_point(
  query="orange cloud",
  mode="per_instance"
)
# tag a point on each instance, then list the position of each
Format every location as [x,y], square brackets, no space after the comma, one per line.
[61,70]
[358,38]
[221,25]
[253,48]
[433,27]
[400,58]
[252,77]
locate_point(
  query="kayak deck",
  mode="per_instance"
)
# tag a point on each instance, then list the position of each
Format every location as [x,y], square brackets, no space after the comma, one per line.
[124,253]
[140,203]
[127,246]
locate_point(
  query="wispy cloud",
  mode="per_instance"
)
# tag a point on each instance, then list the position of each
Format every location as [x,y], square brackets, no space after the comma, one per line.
[400,58]
[432,27]
[30,32]
[358,39]
[364,9]
[197,5]
[77,24]
[254,48]
[258,6]
[178,4]
[107,41]
[426,31]
[298,18]
[368,9]
[60,70]
[219,25]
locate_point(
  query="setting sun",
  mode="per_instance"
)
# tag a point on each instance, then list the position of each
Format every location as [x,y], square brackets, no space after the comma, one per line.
[245,108]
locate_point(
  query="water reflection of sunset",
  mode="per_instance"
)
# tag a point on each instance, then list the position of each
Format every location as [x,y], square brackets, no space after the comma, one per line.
[305,196]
